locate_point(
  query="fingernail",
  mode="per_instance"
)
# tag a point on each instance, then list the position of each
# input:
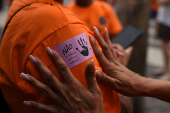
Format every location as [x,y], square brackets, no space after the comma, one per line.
[95,28]
[32,59]
[27,103]
[91,60]
[98,73]
[106,31]
[24,76]
[49,50]
[91,37]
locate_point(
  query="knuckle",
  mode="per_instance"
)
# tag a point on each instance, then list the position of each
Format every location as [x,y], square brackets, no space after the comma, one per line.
[49,76]
[110,69]
[105,47]
[72,84]
[62,67]
[72,87]
[54,57]
[105,79]
[45,90]
[90,71]
[99,54]
[97,92]
[38,64]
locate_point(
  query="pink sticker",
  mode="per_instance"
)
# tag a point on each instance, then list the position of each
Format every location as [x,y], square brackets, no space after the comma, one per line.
[75,50]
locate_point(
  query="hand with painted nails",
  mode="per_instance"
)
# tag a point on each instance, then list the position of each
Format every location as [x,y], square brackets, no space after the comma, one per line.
[121,79]
[70,96]
[116,75]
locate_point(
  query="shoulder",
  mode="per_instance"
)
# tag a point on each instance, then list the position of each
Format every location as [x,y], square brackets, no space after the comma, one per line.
[71,4]
[104,5]
[56,15]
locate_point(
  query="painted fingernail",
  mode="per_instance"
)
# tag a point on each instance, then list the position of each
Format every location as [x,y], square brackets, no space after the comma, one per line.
[27,103]
[32,59]
[106,31]
[91,60]
[91,37]
[98,73]
[95,28]
[50,51]
[24,76]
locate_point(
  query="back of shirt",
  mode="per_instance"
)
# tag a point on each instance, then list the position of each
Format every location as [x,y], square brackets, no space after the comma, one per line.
[99,14]
[42,24]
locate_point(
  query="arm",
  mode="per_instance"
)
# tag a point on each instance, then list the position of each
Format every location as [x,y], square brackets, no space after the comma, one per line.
[163,2]
[121,79]
[154,88]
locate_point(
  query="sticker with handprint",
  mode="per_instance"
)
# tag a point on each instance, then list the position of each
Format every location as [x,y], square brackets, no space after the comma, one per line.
[83,44]
[75,50]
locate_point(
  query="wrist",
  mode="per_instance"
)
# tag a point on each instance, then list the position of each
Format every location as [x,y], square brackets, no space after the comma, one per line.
[141,86]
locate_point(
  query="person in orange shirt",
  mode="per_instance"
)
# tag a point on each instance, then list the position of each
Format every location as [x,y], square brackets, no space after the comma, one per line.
[31,27]
[97,13]
[112,2]
[154,8]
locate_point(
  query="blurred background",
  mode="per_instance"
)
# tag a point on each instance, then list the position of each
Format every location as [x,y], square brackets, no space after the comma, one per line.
[147,55]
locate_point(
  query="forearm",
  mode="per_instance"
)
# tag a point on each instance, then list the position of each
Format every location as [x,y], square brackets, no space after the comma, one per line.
[163,2]
[126,104]
[155,88]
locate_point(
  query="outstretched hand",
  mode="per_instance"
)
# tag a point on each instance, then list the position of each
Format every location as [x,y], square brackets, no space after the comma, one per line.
[116,75]
[70,96]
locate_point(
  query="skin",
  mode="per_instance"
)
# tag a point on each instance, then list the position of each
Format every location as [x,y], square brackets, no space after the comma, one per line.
[116,75]
[123,57]
[163,2]
[69,97]
[121,79]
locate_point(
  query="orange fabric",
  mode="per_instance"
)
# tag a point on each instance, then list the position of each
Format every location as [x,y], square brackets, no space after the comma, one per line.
[99,14]
[154,5]
[43,24]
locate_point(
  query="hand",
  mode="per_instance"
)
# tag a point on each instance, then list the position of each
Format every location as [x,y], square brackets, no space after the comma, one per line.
[122,54]
[71,96]
[85,51]
[117,76]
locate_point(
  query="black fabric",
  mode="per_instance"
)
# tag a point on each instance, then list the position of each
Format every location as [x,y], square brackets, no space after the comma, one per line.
[3,104]
[164,32]
[1,5]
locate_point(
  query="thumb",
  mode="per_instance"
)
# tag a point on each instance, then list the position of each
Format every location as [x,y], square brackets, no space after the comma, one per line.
[128,53]
[120,57]
[105,79]
[91,78]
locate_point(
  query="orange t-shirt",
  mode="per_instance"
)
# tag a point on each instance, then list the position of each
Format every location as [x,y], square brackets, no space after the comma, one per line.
[154,5]
[42,24]
[99,14]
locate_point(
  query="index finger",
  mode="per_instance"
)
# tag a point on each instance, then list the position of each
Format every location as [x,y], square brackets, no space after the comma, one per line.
[61,65]
[104,46]
[99,55]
